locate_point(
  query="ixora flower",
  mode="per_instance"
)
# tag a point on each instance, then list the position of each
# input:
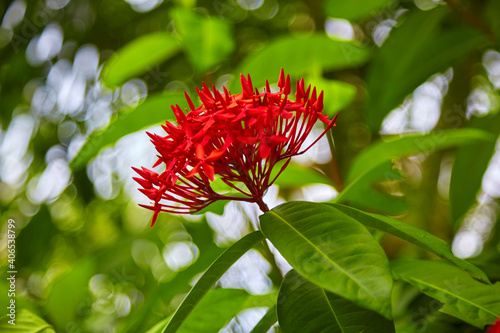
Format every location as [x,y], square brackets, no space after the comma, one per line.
[236,139]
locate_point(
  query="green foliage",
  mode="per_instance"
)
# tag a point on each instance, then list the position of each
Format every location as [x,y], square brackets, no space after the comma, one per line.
[62,306]
[218,307]
[305,307]
[206,36]
[413,145]
[209,278]
[333,251]
[361,192]
[413,235]
[463,297]
[26,322]
[469,167]
[415,51]
[137,57]
[86,260]
[354,10]
[298,55]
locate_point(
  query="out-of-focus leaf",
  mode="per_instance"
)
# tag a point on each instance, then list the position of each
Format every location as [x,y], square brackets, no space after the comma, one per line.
[36,235]
[217,308]
[156,109]
[491,13]
[464,298]
[410,55]
[303,307]
[469,167]
[415,144]
[361,193]
[354,10]
[68,292]
[296,175]
[266,322]
[210,277]
[333,251]
[338,94]
[413,235]
[25,322]
[207,40]
[297,55]
[138,57]
[178,285]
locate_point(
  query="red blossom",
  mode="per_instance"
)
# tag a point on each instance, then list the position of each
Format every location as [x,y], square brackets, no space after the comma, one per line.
[495,328]
[236,138]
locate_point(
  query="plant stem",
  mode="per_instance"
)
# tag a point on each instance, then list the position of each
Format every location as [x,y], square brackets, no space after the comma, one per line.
[335,173]
[262,205]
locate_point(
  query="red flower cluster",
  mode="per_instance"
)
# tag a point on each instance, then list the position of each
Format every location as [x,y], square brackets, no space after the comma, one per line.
[236,138]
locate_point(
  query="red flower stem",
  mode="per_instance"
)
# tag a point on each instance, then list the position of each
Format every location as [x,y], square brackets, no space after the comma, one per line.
[336,177]
[262,205]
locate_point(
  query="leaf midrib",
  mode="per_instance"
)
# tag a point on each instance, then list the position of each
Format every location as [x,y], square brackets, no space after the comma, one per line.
[333,311]
[322,253]
[454,295]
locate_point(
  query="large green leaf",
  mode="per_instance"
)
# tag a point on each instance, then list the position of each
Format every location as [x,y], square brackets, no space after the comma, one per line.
[354,10]
[465,298]
[156,109]
[332,250]
[138,57]
[298,55]
[303,307]
[413,235]
[25,322]
[469,167]
[210,277]
[68,292]
[338,94]
[408,145]
[361,192]
[411,54]
[207,40]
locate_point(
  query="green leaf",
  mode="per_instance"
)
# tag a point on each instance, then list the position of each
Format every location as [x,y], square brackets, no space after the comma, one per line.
[464,298]
[25,322]
[333,251]
[218,307]
[412,235]
[411,54]
[207,40]
[361,193]
[409,145]
[68,292]
[210,277]
[156,109]
[137,57]
[469,166]
[266,322]
[296,175]
[298,55]
[338,94]
[304,307]
[354,10]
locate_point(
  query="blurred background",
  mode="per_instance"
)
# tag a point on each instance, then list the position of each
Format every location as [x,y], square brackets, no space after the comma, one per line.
[81,81]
